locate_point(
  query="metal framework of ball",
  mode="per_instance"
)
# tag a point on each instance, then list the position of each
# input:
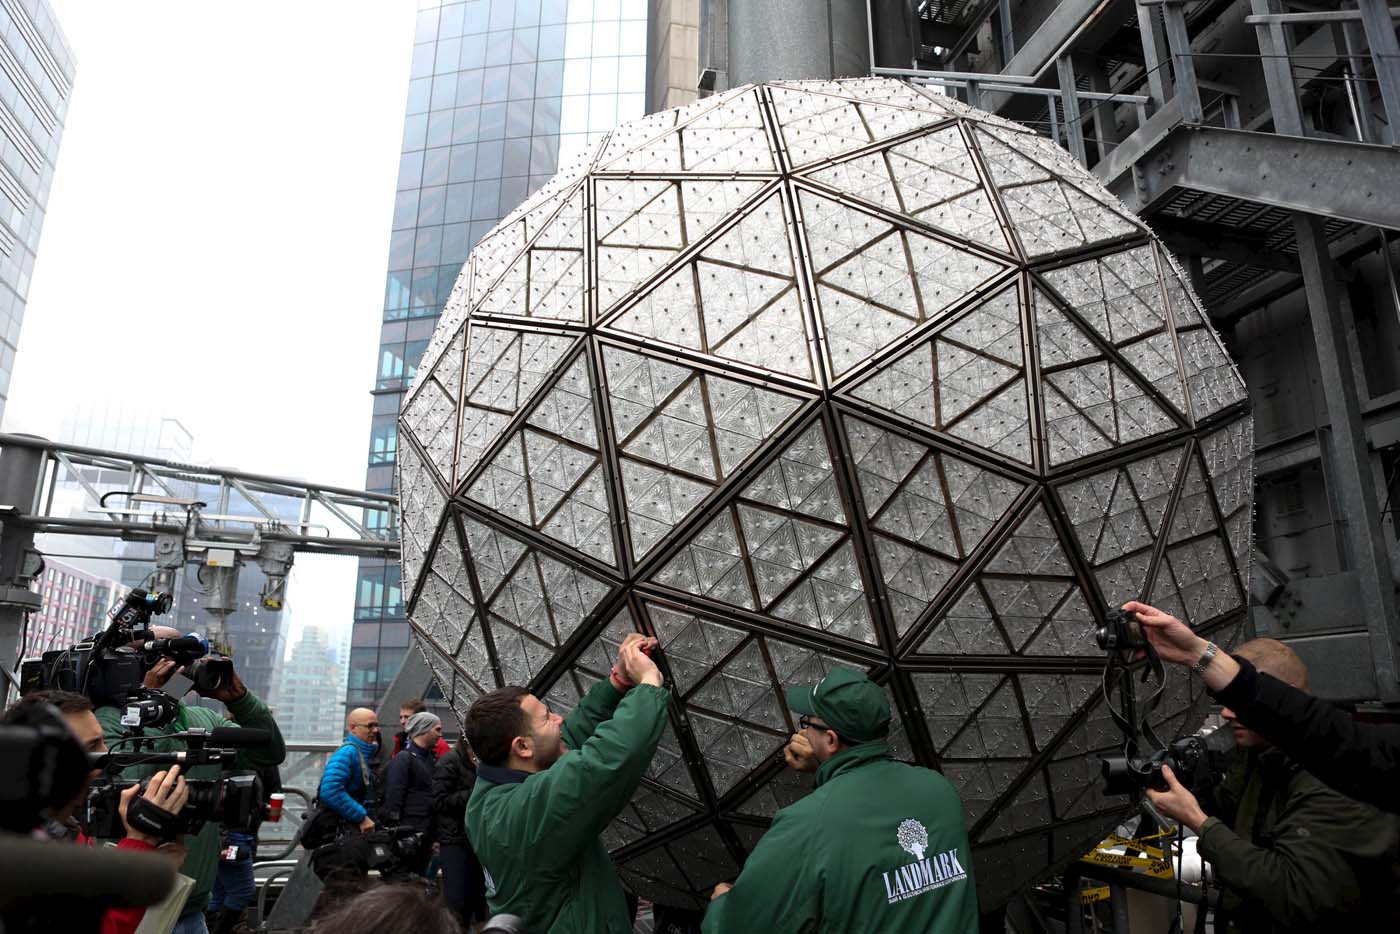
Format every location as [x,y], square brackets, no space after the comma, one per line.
[823,373]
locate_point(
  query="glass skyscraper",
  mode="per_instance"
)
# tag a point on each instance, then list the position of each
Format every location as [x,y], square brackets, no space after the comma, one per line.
[501,91]
[36,76]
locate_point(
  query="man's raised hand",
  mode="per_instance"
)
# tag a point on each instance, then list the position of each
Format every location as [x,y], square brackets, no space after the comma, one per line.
[800,755]
[1173,639]
[634,660]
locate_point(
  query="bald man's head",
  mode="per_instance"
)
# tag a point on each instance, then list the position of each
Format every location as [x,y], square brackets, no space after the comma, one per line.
[363,724]
[1273,658]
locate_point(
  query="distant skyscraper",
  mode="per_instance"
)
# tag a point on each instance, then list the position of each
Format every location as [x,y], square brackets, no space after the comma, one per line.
[36,76]
[75,606]
[309,690]
[501,91]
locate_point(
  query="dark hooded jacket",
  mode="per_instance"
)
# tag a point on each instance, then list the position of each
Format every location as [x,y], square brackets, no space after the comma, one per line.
[1291,854]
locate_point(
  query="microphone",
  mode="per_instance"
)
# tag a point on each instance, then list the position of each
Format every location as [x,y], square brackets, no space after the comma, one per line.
[239,737]
[32,869]
[182,645]
[228,737]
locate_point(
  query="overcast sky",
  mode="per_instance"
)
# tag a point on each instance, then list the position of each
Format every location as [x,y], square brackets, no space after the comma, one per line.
[217,235]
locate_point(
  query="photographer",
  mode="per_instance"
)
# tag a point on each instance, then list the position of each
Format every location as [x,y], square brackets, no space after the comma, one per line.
[1289,853]
[247,710]
[166,790]
[548,786]
[1360,760]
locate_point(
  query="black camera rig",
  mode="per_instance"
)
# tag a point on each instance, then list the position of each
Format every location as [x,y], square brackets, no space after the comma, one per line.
[1194,760]
[234,801]
[109,669]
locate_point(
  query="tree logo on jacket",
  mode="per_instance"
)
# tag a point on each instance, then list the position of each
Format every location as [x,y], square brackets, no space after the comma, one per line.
[928,871]
[913,837]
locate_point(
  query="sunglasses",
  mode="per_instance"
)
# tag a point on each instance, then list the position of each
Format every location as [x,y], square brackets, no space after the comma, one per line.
[804,722]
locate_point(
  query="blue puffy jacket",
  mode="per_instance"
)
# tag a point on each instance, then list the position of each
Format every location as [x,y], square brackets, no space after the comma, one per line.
[348,780]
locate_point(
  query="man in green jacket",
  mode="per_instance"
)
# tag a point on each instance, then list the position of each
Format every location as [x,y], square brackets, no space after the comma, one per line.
[546,787]
[1289,853]
[202,849]
[878,846]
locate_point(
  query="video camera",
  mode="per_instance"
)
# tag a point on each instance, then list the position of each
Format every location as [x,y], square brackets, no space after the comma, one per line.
[236,802]
[109,669]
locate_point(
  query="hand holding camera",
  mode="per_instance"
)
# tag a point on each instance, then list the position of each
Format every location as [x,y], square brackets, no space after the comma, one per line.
[154,817]
[1176,803]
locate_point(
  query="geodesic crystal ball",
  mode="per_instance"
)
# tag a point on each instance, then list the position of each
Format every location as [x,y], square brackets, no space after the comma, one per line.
[814,373]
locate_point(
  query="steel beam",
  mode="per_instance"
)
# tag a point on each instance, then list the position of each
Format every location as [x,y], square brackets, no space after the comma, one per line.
[1154,54]
[1385,55]
[1355,493]
[1218,242]
[1290,172]
[20,471]
[1345,251]
[1069,99]
[1183,66]
[1071,24]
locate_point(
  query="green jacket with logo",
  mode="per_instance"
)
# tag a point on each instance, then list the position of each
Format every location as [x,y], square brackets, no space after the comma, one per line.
[537,835]
[878,846]
[202,849]
[1291,854]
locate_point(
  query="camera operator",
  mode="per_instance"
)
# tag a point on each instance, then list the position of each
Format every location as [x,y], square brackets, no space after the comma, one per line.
[1360,760]
[1290,854]
[408,786]
[166,790]
[247,710]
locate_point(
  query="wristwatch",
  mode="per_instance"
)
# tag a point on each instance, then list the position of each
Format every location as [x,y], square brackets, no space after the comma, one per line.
[1206,656]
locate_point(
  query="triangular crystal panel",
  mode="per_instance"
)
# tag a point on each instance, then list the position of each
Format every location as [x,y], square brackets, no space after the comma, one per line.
[968,380]
[876,282]
[548,474]
[504,368]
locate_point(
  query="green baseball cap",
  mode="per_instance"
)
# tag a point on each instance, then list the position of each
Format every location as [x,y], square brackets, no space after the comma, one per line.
[847,701]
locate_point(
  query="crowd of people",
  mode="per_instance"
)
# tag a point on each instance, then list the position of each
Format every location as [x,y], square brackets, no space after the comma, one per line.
[503,830]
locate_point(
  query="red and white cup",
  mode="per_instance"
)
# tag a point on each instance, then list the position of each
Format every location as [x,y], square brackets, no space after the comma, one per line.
[274,806]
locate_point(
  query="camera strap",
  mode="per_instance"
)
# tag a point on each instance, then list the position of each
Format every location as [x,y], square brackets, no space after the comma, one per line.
[1134,722]
[153,820]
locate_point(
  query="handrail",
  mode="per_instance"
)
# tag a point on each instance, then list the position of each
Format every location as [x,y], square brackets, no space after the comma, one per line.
[296,837]
[266,885]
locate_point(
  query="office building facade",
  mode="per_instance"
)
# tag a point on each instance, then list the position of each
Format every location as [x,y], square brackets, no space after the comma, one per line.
[75,606]
[501,93]
[36,78]
[309,690]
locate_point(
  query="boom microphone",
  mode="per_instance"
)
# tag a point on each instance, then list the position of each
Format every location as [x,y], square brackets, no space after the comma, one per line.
[32,869]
